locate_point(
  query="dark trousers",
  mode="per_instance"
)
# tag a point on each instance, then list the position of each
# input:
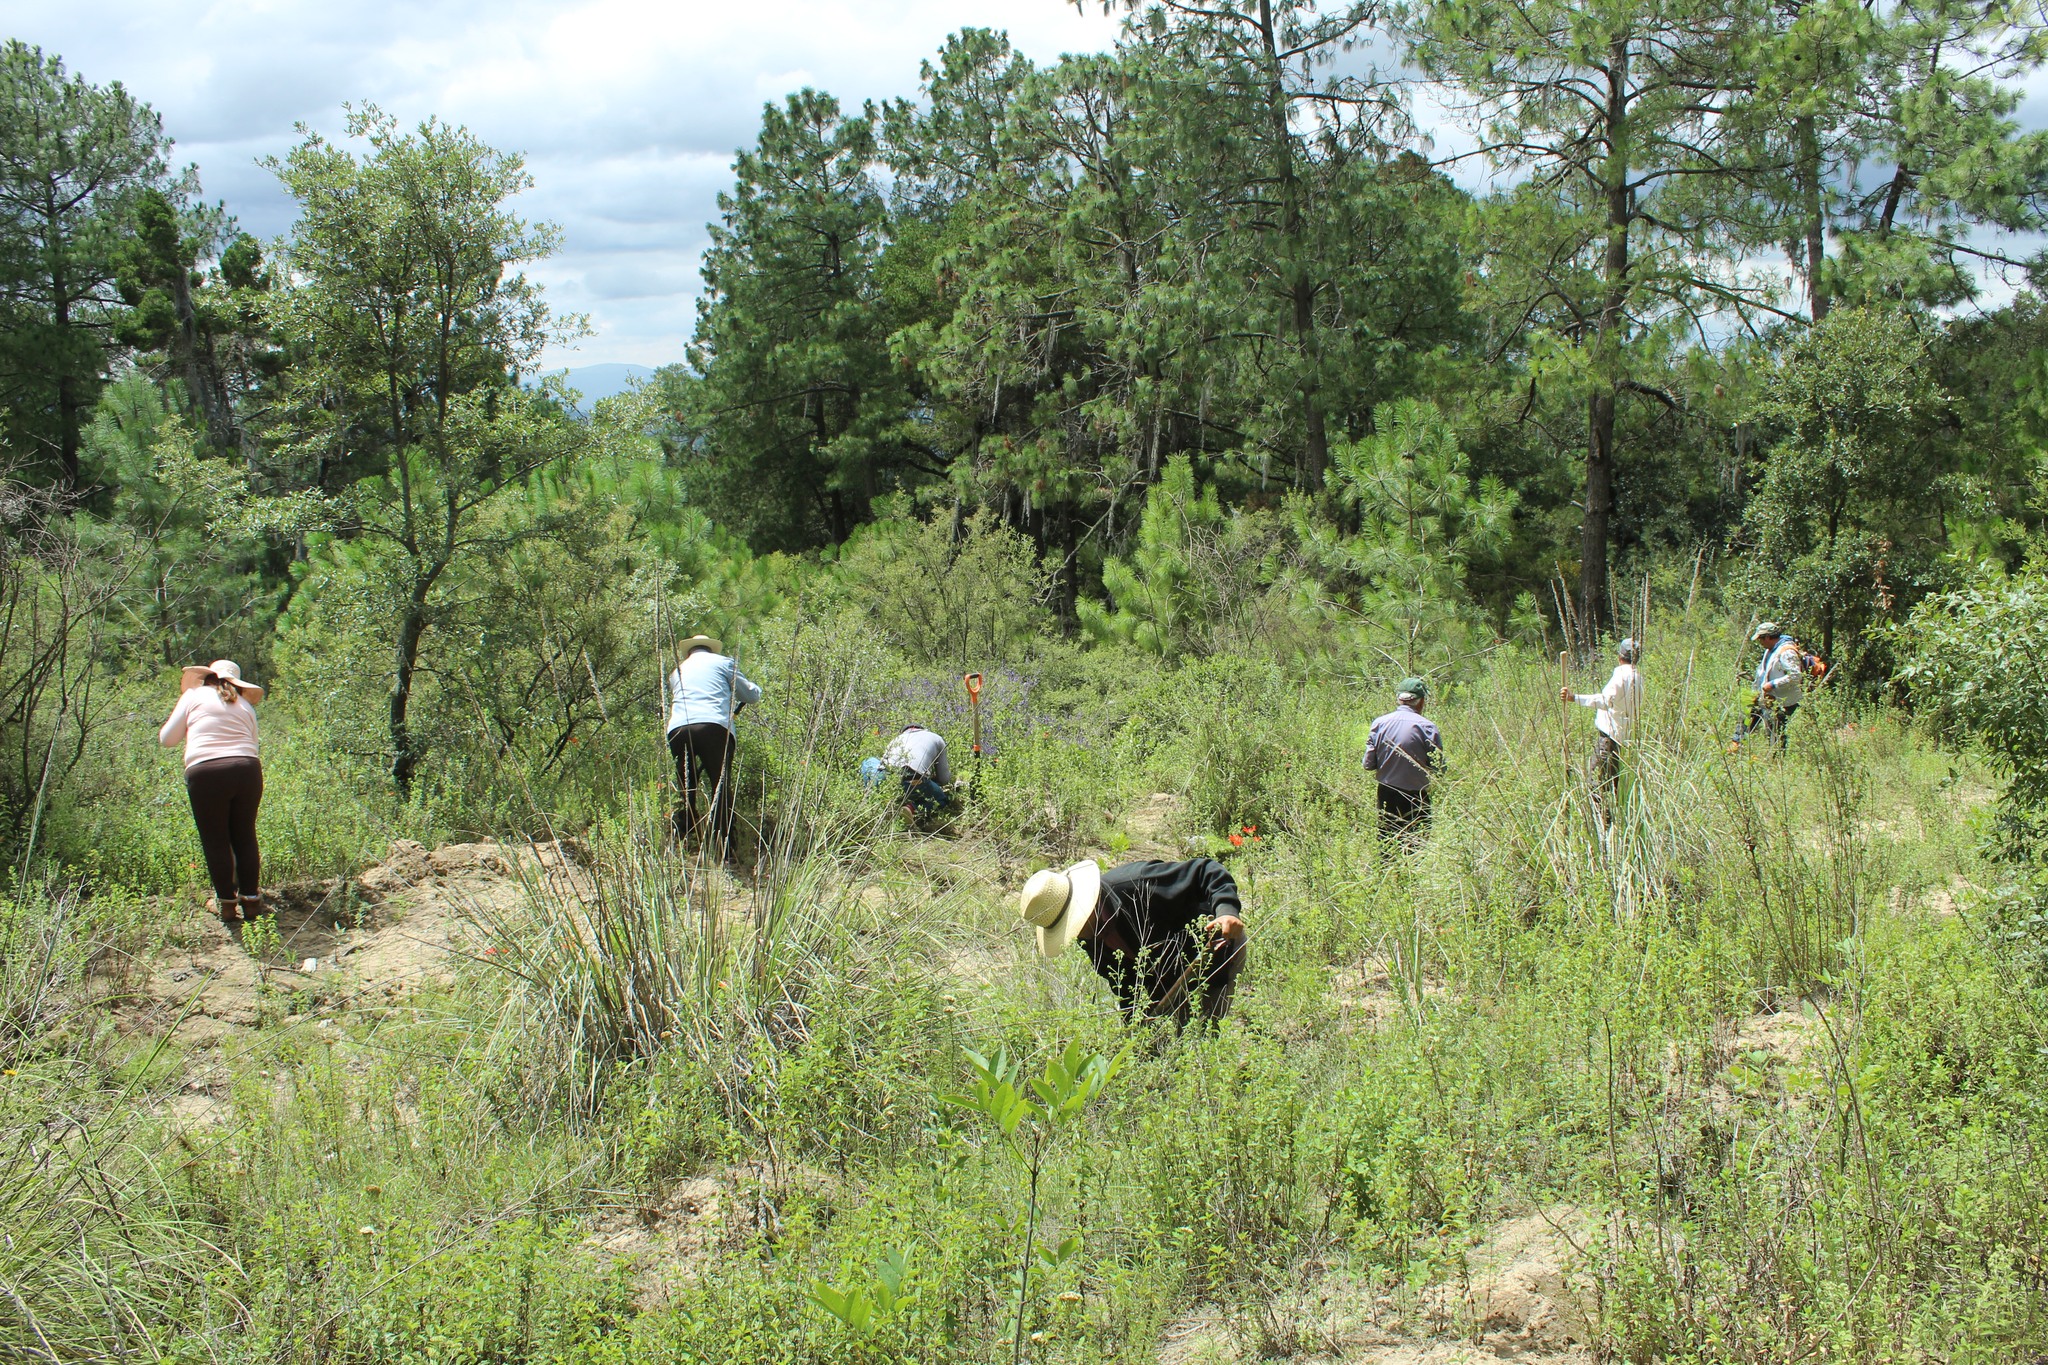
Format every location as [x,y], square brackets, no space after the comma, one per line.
[1403,814]
[703,755]
[225,794]
[1768,720]
[1206,990]
[924,795]
[1606,772]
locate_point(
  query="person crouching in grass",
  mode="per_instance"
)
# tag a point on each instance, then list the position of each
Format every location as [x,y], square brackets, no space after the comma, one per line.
[920,756]
[1169,938]
[215,719]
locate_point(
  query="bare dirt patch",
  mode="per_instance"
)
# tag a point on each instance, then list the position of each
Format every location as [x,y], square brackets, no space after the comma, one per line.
[670,1240]
[401,924]
[1152,823]
[1524,1296]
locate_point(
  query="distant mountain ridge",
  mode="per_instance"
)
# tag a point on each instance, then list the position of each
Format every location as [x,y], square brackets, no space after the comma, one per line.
[602,381]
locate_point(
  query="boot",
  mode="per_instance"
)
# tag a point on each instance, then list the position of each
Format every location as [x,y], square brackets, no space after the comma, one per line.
[253,907]
[229,910]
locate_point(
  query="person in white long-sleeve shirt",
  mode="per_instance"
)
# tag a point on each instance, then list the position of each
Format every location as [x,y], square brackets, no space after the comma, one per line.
[705,692]
[1615,707]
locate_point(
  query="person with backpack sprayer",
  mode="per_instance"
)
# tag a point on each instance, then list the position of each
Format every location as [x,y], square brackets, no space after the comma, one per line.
[1780,683]
[1615,707]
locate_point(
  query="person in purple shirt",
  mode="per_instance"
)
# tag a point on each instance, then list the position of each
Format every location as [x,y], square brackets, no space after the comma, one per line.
[1406,753]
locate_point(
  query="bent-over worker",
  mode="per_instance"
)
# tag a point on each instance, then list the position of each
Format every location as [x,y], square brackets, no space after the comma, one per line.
[1615,707]
[1405,752]
[215,719]
[920,756]
[705,692]
[1173,931]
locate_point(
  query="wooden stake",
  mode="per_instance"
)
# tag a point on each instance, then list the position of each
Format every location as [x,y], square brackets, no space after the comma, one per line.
[1564,681]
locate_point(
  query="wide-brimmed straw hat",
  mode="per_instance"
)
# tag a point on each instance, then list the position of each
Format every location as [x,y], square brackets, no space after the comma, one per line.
[698,642]
[1056,904]
[222,670]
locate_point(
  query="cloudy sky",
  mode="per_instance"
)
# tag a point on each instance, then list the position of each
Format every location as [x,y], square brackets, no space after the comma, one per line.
[629,111]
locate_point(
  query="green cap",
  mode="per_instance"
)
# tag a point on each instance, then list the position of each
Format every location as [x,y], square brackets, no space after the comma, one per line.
[1413,687]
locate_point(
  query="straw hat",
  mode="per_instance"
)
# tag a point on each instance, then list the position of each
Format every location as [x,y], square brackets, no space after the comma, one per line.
[1058,903]
[222,670]
[696,642]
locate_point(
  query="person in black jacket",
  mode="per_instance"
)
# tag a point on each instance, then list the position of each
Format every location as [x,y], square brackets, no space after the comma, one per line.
[1171,931]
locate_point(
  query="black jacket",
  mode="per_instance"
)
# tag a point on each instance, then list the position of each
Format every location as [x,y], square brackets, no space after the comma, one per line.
[1156,909]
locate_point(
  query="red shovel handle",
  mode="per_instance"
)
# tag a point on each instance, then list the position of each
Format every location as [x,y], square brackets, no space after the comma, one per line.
[973,681]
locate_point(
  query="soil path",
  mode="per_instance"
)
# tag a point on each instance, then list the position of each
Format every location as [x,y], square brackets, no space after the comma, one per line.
[355,943]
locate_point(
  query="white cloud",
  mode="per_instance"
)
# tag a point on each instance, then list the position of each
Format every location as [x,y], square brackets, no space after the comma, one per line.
[629,111]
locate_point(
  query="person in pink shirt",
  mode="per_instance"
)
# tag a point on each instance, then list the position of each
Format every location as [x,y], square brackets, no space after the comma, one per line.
[215,719]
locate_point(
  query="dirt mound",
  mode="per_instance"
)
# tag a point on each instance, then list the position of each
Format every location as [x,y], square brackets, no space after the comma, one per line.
[669,1241]
[1525,1293]
[357,942]
[1523,1297]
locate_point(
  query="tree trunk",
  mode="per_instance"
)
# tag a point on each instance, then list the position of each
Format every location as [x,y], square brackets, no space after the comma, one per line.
[69,401]
[1069,580]
[202,375]
[404,762]
[405,757]
[1816,230]
[1593,609]
[68,406]
[1301,290]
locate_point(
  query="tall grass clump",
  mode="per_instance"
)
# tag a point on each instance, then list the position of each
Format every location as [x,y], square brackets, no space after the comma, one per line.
[93,1256]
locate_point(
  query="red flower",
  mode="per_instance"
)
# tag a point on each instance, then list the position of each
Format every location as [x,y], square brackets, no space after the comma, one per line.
[1237,841]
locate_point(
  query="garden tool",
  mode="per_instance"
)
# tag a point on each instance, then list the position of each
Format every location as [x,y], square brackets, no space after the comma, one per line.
[973,681]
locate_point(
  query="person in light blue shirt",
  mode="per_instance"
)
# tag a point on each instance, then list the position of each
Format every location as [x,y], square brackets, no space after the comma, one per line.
[1780,683]
[704,694]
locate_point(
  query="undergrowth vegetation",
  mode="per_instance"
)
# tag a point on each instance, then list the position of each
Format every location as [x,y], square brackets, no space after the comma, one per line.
[1757,1041]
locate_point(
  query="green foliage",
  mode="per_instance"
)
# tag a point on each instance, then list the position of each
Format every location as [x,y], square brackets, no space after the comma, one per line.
[416,231]
[1071,1080]
[1965,666]
[968,596]
[76,162]
[1198,577]
[788,425]
[1420,522]
[1160,604]
[1847,520]
[1778,1099]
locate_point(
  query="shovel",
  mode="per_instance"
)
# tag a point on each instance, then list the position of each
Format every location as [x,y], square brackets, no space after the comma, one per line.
[973,681]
